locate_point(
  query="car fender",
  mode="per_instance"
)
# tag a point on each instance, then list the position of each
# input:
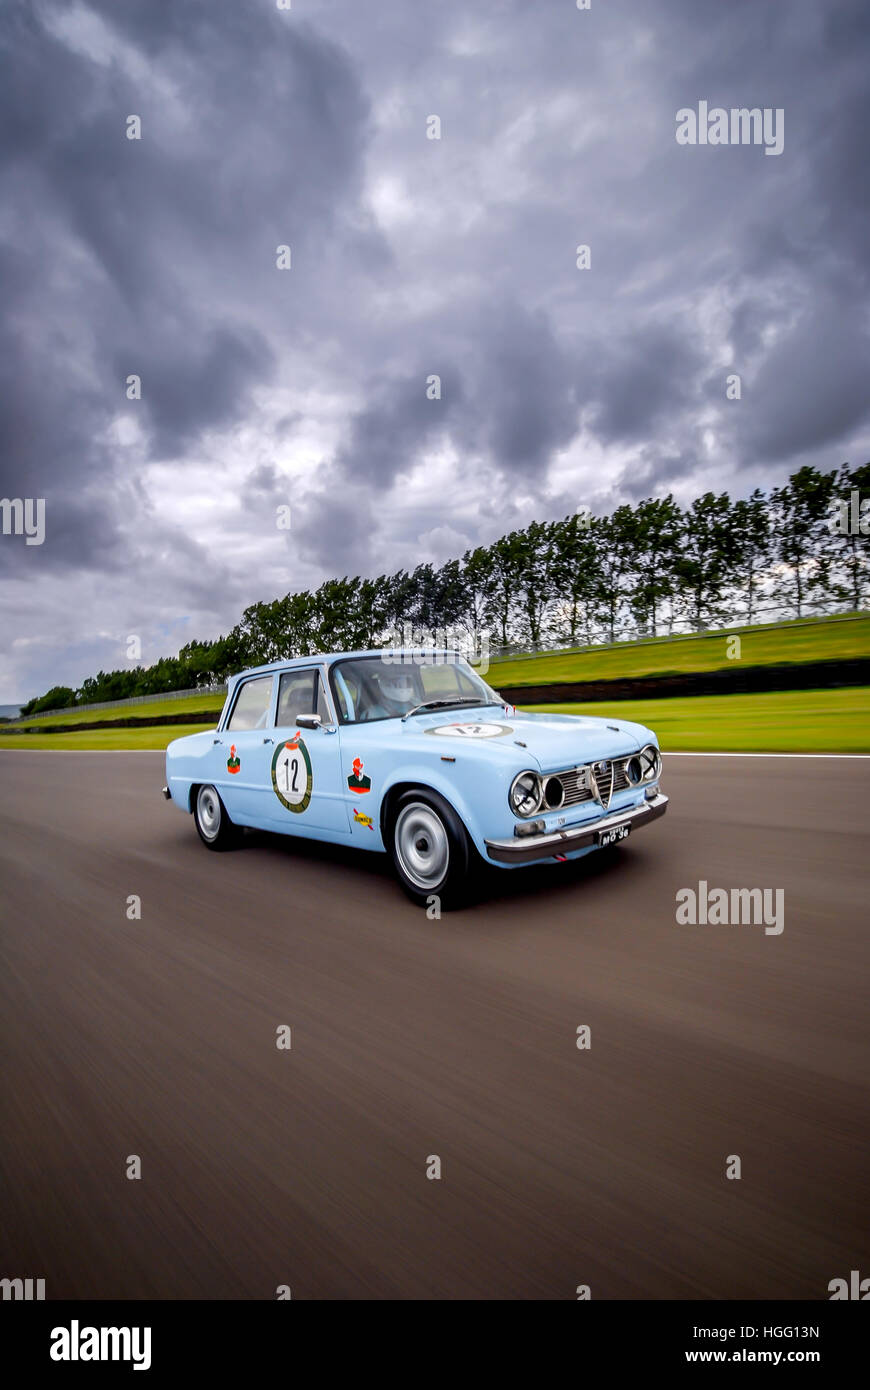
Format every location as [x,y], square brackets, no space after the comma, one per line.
[425,775]
[187,766]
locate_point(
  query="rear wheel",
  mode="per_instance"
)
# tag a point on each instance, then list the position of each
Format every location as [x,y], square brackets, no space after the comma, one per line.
[215,828]
[432,853]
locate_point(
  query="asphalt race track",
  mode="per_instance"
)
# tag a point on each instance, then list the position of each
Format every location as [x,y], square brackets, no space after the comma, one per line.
[307,1167]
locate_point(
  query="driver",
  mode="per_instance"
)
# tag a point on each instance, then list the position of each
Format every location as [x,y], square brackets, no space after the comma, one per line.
[396,690]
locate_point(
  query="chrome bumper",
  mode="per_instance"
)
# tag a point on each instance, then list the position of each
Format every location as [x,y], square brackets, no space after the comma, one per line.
[527,849]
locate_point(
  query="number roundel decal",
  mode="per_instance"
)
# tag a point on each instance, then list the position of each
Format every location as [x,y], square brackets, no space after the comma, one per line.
[291,774]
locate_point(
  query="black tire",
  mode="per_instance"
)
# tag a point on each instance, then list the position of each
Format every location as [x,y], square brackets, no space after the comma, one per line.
[432,852]
[213,825]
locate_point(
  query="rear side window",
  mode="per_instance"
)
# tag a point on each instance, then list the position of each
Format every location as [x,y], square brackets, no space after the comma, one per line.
[251,710]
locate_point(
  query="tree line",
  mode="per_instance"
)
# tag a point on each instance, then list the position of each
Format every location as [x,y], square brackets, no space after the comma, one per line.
[648,569]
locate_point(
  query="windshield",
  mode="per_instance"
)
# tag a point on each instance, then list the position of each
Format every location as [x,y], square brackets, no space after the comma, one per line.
[373,687]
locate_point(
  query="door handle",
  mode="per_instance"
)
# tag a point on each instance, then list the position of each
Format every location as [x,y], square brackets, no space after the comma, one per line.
[268,740]
[217,740]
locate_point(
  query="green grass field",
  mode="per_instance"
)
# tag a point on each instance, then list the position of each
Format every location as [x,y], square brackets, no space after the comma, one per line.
[104,738]
[823,639]
[795,721]
[792,721]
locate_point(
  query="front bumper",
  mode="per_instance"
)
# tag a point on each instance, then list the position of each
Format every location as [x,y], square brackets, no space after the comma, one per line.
[527,850]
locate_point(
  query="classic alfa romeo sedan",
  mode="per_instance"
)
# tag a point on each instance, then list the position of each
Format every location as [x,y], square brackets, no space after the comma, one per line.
[412,754]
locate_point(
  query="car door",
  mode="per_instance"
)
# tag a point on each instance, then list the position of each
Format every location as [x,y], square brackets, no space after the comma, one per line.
[305,765]
[244,750]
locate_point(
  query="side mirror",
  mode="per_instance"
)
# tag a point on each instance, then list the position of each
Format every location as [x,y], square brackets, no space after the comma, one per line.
[308,721]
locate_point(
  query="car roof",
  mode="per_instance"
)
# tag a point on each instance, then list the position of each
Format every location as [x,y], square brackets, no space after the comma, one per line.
[327,658]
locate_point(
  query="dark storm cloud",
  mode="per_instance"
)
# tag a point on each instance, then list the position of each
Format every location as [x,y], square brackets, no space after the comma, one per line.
[814,383]
[335,530]
[410,258]
[387,436]
[188,386]
[642,382]
[150,257]
[510,391]
[526,388]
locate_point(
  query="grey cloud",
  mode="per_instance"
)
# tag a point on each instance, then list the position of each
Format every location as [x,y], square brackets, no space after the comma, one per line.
[263,127]
[812,387]
[643,381]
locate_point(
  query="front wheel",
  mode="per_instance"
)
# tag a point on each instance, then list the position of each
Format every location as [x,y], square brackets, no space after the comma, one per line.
[215,828]
[432,853]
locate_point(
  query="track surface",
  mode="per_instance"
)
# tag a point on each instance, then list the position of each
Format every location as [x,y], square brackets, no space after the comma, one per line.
[411,1038]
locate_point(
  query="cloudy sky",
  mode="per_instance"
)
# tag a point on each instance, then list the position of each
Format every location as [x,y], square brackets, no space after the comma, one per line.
[410,257]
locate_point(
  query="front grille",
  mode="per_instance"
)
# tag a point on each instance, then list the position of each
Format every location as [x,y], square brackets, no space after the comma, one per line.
[578,782]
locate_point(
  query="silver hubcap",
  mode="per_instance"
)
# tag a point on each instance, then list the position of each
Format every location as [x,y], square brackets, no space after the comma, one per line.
[208,809]
[422,845]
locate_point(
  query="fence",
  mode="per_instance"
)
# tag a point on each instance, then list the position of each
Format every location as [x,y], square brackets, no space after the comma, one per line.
[679,629]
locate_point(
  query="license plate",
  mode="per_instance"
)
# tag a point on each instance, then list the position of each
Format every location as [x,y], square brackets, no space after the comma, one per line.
[612,836]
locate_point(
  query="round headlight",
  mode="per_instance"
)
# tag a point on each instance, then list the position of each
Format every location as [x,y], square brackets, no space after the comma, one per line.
[525,794]
[651,762]
[634,771]
[554,792]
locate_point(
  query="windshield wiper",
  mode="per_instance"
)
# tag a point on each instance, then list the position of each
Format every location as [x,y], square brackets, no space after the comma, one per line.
[442,704]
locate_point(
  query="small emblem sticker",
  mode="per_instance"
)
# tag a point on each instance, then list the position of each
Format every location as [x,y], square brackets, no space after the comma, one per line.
[234,763]
[356,782]
[361,819]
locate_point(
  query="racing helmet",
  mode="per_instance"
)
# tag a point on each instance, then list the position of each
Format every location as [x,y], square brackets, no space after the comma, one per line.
[396,687]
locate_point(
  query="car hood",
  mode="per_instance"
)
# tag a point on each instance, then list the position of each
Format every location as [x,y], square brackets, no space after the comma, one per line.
[552,741]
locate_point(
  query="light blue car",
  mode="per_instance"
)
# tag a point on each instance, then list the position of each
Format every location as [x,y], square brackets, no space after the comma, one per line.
[412,754]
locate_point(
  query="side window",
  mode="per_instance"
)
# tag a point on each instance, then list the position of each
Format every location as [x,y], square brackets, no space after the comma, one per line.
[251,710]
[322,706]
[296,695]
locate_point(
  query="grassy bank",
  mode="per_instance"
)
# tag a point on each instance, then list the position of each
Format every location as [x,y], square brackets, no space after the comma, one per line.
[793,721]
[188,704]
[823,639]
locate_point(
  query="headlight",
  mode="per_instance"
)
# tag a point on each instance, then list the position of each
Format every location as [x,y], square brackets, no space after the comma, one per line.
[525,794]
[650,760]
[634,771]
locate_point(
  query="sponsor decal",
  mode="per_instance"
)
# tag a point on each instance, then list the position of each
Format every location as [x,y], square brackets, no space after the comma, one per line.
[291,774]
[470,730]
[361,819]
[356,781]
[234,763]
